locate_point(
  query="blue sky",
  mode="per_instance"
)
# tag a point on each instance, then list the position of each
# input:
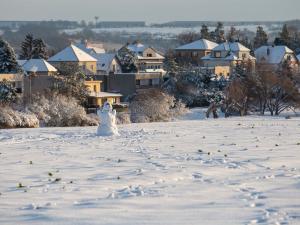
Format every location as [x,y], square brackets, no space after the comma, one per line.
[150,10]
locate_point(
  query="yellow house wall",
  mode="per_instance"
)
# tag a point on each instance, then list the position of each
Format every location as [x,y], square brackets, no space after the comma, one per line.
[222,70]
[91,66]
[90,84]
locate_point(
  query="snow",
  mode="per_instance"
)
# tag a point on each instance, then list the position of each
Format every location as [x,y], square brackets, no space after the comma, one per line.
[104,61]
[38,65]
[231,46]
[91,48]
[275,56]
[202,44]
[72,54]
[137,48]
[225,171]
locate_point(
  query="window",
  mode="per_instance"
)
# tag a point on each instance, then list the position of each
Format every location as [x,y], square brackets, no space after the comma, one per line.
[137,82]
[83,67]
[218,54]
[289,57]
[92,67]
[149,55]
[244,55]
[95,88]
[194,54]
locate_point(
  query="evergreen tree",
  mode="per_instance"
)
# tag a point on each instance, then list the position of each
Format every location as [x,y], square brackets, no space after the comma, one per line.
[71,82]
[219,34]
[8,62]
[27,47]
[33,48]
[232,34]
[261,37]
[40,50]
[170,64]
[8,93]
[127,60]
[205,32]
[284,37]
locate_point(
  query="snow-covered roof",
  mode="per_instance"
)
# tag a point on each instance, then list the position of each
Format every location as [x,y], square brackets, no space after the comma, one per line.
[104,94]
[91,48]
[72,54]
[201,44]
[136,48]
[272,54]
[104,60]
[38,65]
[21,62]
[231,46]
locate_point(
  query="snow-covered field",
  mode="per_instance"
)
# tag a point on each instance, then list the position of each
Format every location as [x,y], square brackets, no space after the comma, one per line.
[226,171]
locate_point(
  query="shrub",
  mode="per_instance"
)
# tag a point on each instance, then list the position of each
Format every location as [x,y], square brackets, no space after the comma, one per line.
[10,118]
[154,105]
[123,118]
[60,111]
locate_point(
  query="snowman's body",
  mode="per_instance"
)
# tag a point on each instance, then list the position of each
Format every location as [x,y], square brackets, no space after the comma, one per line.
[108,126]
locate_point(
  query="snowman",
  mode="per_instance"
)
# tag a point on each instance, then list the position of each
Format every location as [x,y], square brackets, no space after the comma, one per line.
[107,117]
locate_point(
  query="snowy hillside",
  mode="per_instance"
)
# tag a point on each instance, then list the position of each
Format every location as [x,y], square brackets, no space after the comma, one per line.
[226,171]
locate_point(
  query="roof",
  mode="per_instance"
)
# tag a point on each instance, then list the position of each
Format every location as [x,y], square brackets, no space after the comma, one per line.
[91,48]
[21,62]
[136,48]
[104,60]
[72,54]
[272,54]
[38,65]
[231,46]
[201,44]
[104,94]
[298,57]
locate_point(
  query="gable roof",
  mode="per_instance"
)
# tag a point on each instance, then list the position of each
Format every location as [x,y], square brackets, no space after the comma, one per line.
[201,44]
[72,54]
[136,48]
[231,46]
[21,62]
[91,48]
[272,54]
[38,65]
[104,60]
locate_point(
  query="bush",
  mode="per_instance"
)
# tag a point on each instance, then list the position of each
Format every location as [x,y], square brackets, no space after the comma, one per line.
[60,111]
[153,105]
[10,118]
[123,118]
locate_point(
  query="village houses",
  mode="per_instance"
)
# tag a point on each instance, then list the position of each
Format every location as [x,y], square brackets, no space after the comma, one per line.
[273,57]
[193,52]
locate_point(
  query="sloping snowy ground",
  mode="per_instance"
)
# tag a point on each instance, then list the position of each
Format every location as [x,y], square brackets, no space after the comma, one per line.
[226,171]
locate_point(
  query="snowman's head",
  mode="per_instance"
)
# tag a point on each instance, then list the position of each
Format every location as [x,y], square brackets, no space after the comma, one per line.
[107,106]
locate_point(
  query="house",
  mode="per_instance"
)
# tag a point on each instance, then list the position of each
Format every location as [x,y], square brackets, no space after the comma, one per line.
[228,54]
[73,54]
[39,77]
[129,83]
[148,59]
[16,79]
[38,67]
[273,57]
[91,48]
[97,97]
[193,52]
[107,63]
